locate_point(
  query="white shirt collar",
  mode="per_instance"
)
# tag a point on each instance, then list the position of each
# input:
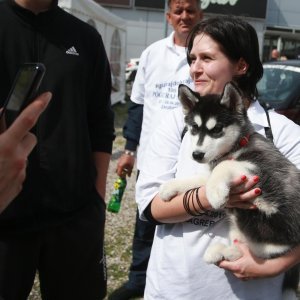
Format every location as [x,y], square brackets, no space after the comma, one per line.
[257,115]
[171,44]
[170,41]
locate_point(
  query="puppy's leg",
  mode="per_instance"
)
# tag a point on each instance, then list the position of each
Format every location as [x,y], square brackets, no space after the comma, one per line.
[214,253]
[174,187]
[218,184]
[219,251]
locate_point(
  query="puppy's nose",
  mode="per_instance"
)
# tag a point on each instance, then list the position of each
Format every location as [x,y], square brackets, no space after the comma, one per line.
[197,155]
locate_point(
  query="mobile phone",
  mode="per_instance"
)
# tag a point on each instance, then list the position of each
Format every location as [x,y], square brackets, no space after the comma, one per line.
[24,90]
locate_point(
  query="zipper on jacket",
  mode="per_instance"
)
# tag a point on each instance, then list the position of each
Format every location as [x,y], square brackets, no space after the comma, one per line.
[36,56]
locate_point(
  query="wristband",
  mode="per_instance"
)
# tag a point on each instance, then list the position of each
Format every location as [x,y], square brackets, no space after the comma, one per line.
[128,152]
[189,203]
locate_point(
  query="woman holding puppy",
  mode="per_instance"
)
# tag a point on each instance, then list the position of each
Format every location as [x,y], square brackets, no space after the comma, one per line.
[220,50]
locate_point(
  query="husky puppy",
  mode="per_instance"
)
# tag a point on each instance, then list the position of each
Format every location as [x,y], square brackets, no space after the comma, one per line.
[223,137]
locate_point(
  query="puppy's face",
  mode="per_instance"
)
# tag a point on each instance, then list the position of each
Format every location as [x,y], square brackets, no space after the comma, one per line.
[212,121]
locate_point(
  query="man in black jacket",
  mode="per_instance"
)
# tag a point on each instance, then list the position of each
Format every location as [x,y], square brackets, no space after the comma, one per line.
[56,224]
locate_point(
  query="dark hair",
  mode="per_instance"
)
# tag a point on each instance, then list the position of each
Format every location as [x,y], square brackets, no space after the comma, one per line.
[237,39]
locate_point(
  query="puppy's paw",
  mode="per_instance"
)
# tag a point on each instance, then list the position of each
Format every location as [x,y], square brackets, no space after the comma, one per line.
[217,194]
[168,190]
[214,253]
[232,253]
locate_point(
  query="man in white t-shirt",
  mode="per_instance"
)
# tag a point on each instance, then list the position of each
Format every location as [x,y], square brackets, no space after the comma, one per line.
[162,67]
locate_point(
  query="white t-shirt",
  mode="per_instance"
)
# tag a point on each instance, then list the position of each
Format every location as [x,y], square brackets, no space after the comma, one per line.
[176,269]
[162,67]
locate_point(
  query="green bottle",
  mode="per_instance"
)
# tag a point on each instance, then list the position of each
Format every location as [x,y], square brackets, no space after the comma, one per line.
[114,203]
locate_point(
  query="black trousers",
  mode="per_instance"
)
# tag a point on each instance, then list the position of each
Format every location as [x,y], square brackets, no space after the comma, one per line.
[69,259]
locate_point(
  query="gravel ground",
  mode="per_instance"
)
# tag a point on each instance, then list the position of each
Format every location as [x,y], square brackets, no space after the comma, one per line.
[119,227]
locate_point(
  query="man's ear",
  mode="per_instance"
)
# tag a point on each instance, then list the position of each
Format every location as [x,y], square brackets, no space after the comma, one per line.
[168,18]
[242,67]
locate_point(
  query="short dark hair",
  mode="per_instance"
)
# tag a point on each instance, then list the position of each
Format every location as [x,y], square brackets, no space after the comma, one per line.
[237,39]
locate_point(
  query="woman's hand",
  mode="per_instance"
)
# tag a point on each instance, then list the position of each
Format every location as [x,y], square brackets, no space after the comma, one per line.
[243,192]
[251,267]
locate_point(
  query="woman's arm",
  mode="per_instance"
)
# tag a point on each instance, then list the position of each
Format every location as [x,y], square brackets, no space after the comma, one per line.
[160,165]
[251,267]
[174,211]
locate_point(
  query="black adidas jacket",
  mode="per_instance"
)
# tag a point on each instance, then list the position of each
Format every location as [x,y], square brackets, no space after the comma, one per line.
[78,121]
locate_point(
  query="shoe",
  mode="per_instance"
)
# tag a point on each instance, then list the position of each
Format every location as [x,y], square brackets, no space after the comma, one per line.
[123,293]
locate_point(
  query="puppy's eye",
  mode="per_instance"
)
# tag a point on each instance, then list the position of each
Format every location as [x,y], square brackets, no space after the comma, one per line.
[194,128]
[217,129]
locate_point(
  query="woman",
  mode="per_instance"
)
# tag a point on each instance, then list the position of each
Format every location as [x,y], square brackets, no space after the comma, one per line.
[220,49]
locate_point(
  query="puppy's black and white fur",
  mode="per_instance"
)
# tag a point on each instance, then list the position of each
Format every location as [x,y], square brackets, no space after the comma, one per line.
[223,137]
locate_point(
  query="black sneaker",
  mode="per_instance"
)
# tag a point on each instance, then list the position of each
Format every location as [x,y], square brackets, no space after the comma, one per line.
[123,293]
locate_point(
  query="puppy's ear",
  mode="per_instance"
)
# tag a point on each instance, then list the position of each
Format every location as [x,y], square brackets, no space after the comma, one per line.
[232,98]
[187,98]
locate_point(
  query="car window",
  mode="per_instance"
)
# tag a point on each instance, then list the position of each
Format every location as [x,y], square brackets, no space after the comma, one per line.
[278,83]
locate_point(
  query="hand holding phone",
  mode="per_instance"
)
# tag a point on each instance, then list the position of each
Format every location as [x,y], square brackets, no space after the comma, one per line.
[23,91]
[16,143]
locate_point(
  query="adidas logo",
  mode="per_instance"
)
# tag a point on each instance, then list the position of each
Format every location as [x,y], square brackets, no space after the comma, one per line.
[72,51]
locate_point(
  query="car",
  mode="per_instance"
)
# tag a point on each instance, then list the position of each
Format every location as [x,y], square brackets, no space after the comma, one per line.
[279,88]
[131,69]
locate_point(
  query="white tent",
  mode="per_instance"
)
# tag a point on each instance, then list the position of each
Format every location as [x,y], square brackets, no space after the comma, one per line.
[113,31]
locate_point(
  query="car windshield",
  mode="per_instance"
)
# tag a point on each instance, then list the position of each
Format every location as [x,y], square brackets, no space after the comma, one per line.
[278,83]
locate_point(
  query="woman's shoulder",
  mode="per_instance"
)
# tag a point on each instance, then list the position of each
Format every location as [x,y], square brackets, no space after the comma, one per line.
[279,123]
[286,135]
[283,125]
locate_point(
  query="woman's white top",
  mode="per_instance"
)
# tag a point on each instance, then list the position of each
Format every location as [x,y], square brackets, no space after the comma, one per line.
[176,269]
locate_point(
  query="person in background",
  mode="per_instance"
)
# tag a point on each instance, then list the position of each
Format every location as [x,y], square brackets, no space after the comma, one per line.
[16,143]
[56,224]
[220,50]
[162,67]
[275,55]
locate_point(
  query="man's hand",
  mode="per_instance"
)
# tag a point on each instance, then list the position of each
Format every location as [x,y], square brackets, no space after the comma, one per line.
[125,165]
[16,143]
